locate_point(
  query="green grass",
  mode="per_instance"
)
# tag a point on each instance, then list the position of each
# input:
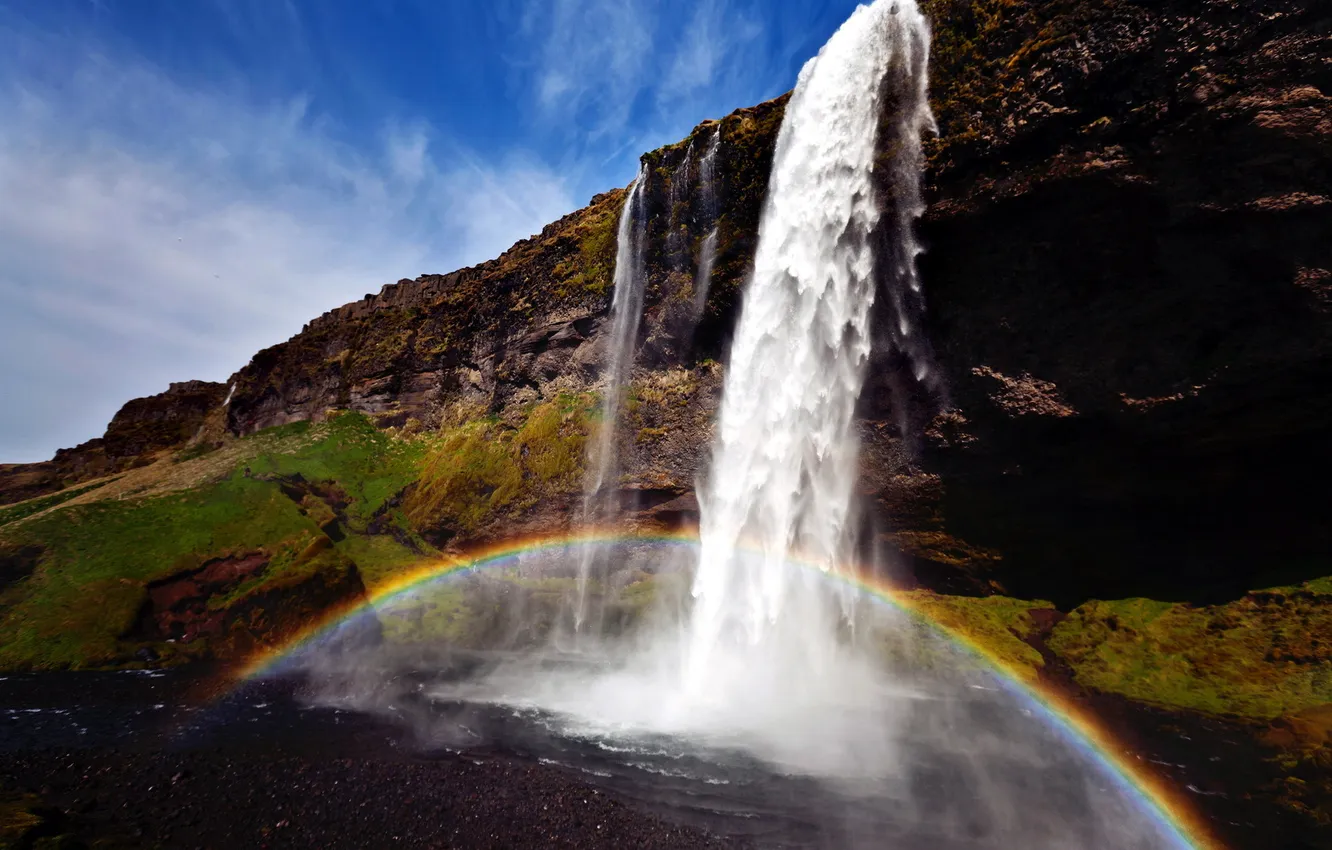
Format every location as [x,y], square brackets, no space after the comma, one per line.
[381,557]
[23,510]
[997,625]
[370,465]
[1263,656]
[434,614]
[481,470]
[97,558]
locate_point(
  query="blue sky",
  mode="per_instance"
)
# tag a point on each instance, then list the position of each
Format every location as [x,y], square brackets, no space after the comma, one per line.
[184,182]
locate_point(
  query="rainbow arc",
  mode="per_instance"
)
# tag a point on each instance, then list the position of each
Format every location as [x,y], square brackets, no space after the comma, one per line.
[1078,727]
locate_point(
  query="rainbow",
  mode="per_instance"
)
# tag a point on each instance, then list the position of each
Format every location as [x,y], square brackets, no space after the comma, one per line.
[1079,728]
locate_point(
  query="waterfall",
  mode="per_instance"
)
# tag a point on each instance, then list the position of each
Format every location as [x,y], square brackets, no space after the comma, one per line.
[785,457]
[753,704]
[226,406]
[626,315]
[710,210]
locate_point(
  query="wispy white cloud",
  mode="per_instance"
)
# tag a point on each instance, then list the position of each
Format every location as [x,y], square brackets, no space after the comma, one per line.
[491,204]
[408,150]
[707,46]
[153,232]
[592,58]
[633,74]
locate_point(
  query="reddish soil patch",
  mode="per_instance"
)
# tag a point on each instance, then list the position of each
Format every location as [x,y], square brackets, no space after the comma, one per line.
[177,606]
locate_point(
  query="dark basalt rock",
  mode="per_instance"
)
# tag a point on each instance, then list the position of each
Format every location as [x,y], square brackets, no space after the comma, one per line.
[183,608]
[1126,251]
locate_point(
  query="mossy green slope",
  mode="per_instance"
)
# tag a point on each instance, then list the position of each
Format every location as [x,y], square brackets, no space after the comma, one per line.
[23,510]
[998,626]
[97,558]
[482,469]
[1261,657]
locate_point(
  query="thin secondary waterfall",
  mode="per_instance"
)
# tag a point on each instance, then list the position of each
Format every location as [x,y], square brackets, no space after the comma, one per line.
[785,457]
[710,211]
[626,316]
[226,406]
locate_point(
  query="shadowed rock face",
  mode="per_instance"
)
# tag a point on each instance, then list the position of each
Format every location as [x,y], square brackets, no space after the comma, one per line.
[18,563]
[1126,276]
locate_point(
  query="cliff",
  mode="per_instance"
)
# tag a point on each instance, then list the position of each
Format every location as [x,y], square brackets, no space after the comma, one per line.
[1129,280]
[141,428]
[1129,291]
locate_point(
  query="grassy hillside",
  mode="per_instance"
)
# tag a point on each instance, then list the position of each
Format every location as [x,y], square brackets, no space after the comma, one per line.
[300,499]
[213,550]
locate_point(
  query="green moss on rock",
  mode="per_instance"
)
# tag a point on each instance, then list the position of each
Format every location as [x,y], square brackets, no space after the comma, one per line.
[481,469]
[592,269]
[79,605]
[1260,657]
[998,626]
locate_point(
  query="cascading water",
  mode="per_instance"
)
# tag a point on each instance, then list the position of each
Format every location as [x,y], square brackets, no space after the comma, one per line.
[710,211]
[758,662]
[626,315]
[784,463]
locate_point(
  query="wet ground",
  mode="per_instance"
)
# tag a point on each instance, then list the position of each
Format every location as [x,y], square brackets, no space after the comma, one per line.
[139,759]
[133,760]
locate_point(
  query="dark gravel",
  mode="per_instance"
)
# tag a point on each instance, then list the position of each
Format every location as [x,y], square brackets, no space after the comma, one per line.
[115,761]
[215,799]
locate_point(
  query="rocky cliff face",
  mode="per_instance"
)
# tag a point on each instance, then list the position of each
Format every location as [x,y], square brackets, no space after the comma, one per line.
[1130,286]
[484,334]
[1129,273]
[138,430]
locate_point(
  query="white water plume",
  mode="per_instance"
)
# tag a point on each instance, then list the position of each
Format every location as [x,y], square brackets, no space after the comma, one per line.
[626,316]
[758,662]
[785,461]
